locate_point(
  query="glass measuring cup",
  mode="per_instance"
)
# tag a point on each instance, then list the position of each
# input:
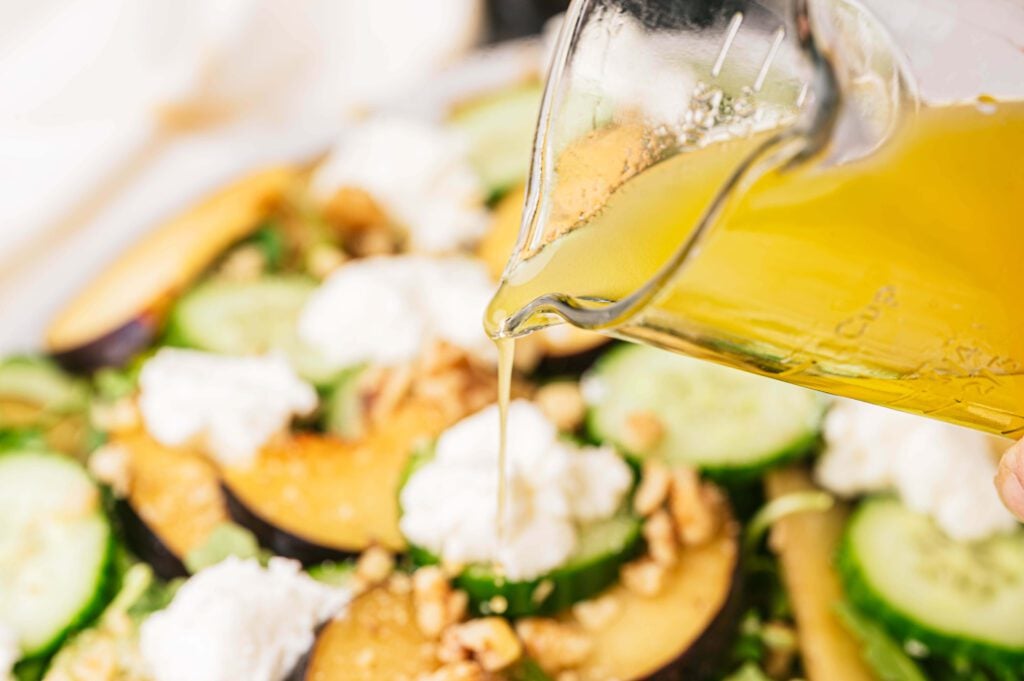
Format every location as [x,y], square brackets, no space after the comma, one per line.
[816,190]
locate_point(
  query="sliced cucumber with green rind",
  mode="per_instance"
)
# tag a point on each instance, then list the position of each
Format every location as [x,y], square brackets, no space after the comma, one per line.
[603,548]
[247,318]
[959,599]
[731,425]
[499,129]
[38,381]
[56,548]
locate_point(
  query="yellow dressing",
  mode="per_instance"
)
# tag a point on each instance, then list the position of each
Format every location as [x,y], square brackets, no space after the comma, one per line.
[892,279]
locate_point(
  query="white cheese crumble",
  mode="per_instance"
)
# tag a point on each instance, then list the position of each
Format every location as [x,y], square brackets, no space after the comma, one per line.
[232,406]
[942,470]
[450,504]
[418,173]
[385,310]
[10,652]
[238,620]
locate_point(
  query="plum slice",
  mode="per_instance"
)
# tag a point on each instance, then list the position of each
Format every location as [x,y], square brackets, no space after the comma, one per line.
[316,498]
[678,634]
[120,311]
[376,638]
[173,504]
[682,631]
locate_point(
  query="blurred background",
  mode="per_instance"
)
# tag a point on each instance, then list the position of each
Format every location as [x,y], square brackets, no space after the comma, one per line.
[116,113]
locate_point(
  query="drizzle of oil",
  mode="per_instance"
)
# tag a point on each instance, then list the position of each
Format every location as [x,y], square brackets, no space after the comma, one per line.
[506,357]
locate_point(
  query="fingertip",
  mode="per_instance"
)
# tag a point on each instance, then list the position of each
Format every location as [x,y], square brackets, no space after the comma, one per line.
[1010,480]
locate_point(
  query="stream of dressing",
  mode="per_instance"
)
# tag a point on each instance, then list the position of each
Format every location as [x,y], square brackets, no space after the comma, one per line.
[506,356]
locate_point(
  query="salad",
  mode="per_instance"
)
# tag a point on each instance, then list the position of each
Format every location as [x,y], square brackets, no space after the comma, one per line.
[262,445]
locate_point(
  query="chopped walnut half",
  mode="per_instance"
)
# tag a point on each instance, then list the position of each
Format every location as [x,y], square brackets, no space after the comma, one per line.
[652,492]
[465,670]
[383,390]
[352,210]
[444,376]
[374,567]
[361,223]
[400,584]
[438,606]
[382,240]
[111,464]
[245,263]
[490,641]
[118,416]
[644,576]
[562,403]
[660,536]
[697,507]
[643,431]
[554,645]
[596,613]
[323,259]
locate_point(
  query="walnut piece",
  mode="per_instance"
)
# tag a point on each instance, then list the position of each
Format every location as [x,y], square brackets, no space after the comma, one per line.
[437,605]
[644,576]
[596,613]
[489,640]
[562,403]
[697,507]
[643,431]
[111,464]
[323,259]
[554,645]
[660,536]
[245,263]
[465,670]
[374,566]
[118,416]
[652,492]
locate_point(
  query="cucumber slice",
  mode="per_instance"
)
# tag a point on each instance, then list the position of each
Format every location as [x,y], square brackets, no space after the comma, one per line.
[958,599]
[37,397]
[603,548]
[731,425]
[56,548]
[499,128]
[40,382]
[250,317]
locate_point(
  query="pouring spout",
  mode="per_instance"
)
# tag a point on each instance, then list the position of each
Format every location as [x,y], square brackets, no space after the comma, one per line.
[548,310]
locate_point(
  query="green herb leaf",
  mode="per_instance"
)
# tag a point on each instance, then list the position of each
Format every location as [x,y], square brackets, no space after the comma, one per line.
[748,672]
[270,241]
[527,670]
[333,574]
[883,654]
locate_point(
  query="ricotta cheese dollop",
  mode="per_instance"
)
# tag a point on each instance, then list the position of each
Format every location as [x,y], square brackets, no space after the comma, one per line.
[939,469]
[238,620]
[229,405]
[450,508]
[10,652]
[419,175]
[385,310]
